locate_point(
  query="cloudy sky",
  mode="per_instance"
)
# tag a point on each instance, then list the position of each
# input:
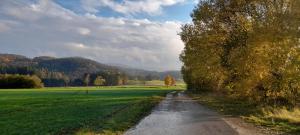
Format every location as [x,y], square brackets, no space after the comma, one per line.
[137,33]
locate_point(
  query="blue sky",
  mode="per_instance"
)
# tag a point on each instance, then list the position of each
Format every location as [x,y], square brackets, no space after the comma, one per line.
[176,12]
[138,33]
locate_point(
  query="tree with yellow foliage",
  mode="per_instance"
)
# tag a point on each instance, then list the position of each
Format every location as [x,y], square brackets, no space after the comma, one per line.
[169,80]
[246,48]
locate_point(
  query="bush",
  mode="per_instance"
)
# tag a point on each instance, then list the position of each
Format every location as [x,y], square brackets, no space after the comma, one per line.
[20,81]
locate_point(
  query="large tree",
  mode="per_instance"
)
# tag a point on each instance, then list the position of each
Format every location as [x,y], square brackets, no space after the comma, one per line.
[248,48]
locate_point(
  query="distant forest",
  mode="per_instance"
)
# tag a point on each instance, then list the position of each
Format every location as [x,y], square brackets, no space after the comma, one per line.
[76,71]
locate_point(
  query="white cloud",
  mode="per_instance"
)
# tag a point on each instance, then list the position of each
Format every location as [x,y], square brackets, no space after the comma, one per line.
[76,45]
[45,28]
[151,7]
[84,31]
[3,27]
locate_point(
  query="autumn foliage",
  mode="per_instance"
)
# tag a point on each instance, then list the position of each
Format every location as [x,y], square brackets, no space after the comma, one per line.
[244,48]
[169,80]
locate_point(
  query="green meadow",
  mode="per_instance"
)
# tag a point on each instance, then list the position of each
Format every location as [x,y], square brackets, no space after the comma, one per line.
[71,110]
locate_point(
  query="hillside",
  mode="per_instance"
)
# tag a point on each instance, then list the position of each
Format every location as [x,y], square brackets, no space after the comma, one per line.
[15,60]
[152,74]
[76,67]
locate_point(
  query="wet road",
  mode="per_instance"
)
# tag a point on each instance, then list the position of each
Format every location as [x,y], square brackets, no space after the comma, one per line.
[180,115]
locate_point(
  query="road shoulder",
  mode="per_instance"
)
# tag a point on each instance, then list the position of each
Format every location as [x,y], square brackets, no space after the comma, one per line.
[233,113]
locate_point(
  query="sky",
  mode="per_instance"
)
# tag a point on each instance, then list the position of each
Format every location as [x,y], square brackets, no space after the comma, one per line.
[137,33]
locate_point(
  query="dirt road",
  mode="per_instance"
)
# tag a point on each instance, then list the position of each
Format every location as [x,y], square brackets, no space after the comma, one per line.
[180,115]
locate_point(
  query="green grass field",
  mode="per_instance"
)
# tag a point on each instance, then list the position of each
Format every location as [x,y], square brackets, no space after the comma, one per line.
[72,111]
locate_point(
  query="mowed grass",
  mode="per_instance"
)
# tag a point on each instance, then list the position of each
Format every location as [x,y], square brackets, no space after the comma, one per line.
[71,111]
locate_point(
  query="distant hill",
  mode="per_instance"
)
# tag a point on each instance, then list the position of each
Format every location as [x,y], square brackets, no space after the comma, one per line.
[15,60]
[43,58]
[146,73]
[75,67]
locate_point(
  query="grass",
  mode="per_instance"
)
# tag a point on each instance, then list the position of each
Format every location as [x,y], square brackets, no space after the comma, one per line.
[109,110]
[277,119]
[291,116]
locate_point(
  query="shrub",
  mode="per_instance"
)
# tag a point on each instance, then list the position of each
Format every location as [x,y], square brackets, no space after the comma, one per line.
[20,81]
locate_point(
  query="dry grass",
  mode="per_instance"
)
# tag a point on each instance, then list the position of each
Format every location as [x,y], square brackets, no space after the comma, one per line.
[280,120]
[292,116]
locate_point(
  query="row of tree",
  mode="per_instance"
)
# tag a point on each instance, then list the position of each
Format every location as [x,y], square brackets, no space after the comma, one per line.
[105,78]
[60,79]
[245,48]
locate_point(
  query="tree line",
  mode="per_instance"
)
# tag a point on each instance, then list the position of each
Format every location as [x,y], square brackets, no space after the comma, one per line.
[76,71]
[244,48]
[50,78]
[60,79]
